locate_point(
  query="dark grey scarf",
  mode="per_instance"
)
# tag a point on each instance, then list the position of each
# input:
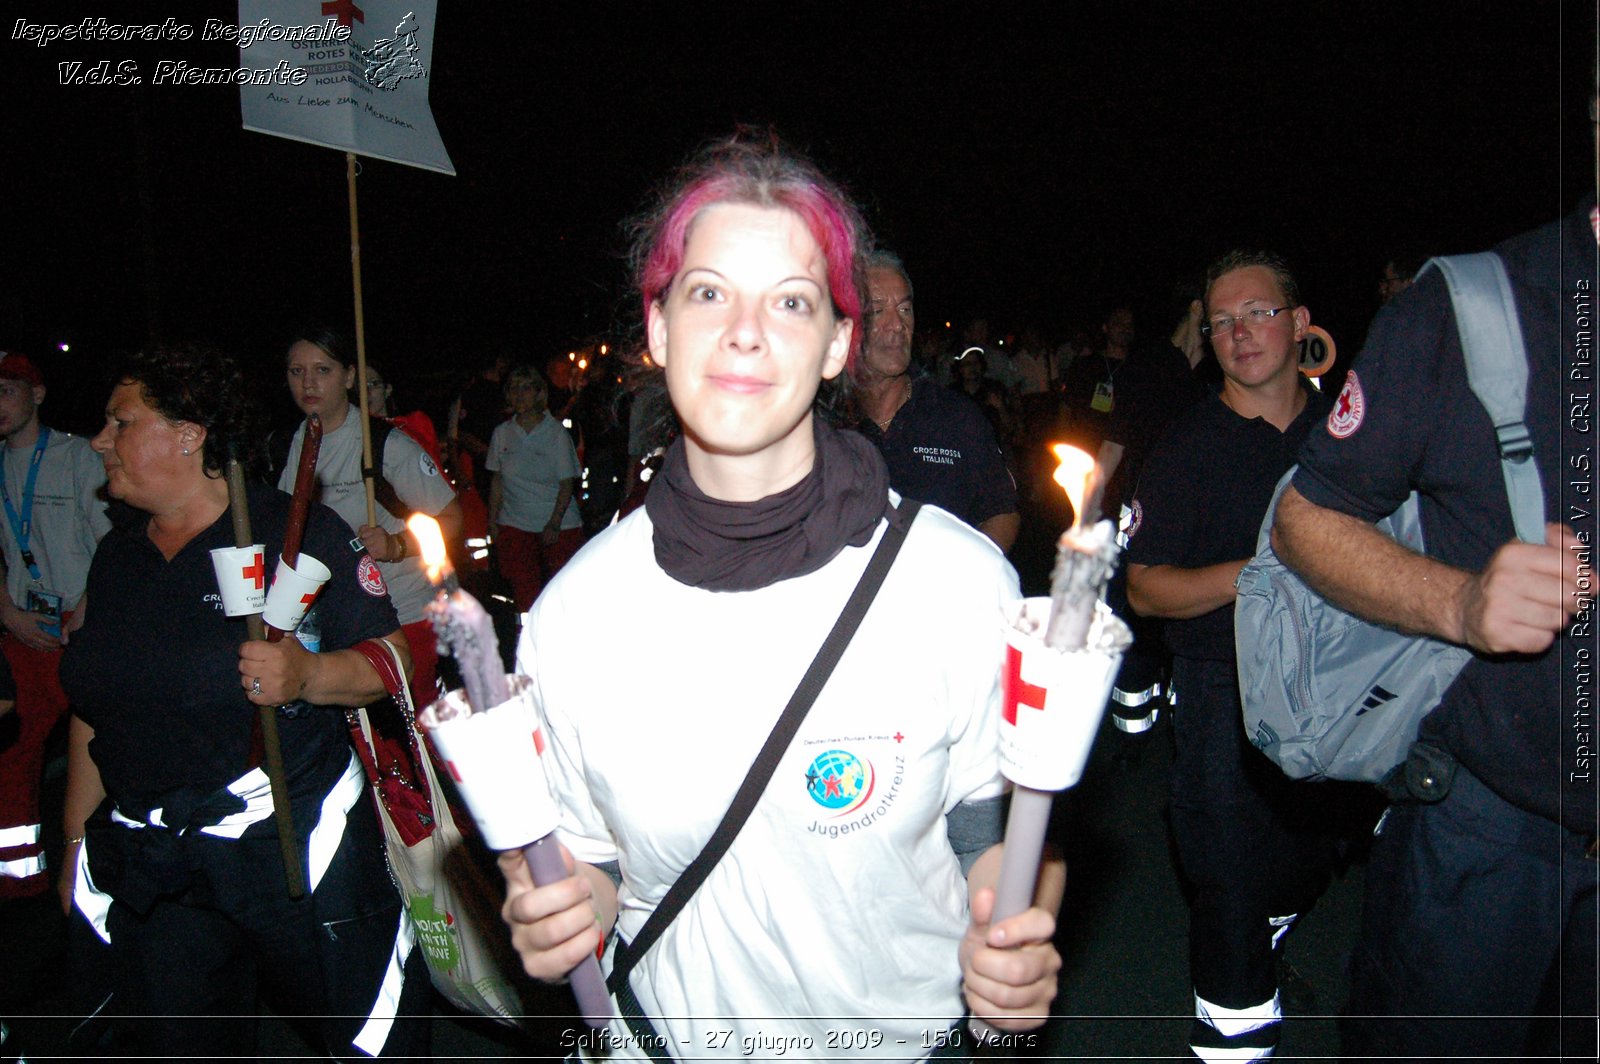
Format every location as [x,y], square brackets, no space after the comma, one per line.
[742,546]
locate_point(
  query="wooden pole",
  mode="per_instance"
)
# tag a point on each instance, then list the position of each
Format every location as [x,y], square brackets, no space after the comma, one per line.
[367,472]
[293,873]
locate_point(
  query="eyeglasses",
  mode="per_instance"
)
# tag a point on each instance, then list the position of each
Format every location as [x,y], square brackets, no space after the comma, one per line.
[1253,316]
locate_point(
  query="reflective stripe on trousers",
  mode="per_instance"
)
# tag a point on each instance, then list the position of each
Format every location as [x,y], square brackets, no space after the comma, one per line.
[22,869]
[1128,722]
[23,837]
[1224,1034]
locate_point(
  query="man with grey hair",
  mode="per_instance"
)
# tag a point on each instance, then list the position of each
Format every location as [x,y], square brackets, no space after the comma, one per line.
[939,447]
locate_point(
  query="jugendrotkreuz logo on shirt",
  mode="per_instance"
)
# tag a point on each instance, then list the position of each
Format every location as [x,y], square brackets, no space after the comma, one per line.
[839,781]
[852,789]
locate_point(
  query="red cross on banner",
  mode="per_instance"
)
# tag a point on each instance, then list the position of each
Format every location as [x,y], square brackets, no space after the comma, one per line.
[256,570]
[1018,692]
[344,10]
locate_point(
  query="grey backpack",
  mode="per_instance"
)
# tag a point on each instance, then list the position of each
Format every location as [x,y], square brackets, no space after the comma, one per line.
[1326,694]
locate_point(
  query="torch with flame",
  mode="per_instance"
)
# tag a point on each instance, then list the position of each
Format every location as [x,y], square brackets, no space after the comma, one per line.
[1085,555]
[489,737]
[1056,687]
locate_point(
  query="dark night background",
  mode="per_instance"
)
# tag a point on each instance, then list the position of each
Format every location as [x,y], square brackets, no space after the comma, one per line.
[1031,162]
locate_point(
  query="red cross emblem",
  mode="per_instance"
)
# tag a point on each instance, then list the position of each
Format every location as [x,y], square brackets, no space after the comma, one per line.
[343,10]
[256,571]
[1349,411]
[307,598]
[1018,692]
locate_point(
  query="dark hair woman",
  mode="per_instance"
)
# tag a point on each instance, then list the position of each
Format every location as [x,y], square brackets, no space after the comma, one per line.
[321,371]
[181,871]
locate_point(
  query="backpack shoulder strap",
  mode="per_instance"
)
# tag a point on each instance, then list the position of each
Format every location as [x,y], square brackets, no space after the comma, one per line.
[383,491]
[1497,370]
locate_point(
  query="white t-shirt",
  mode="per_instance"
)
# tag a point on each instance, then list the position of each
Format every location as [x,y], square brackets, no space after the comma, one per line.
[532,464]
[415,479]
[68,517]
[841,897]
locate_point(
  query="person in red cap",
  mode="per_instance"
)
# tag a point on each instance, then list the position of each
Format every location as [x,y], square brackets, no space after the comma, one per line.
[49,485]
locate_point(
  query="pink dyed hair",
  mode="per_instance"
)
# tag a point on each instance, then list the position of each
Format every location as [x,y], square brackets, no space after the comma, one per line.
[757,170]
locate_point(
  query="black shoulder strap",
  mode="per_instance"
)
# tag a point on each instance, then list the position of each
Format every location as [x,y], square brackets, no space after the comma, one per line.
[766,762]
[382,491]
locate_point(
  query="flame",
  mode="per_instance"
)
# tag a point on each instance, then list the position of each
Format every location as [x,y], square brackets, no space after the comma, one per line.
[426,529]
[1075,474]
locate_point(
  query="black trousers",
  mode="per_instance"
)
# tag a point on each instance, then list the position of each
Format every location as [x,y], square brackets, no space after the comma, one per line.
[187,974]
[1249,843]
[1478,931]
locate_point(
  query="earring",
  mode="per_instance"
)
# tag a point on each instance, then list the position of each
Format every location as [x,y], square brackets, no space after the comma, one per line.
[186,450]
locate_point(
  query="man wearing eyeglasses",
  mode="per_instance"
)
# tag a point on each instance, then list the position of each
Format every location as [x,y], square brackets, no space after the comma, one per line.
[1479,926]
[1197,511]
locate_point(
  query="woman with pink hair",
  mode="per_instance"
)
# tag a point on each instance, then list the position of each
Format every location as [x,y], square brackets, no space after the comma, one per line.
[851,913]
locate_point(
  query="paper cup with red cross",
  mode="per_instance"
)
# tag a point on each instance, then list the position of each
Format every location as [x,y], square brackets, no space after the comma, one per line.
[294,589]
[241,578]
[1052,701]
[494,758]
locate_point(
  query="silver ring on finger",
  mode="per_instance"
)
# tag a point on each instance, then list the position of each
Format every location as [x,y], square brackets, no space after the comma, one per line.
[255,685]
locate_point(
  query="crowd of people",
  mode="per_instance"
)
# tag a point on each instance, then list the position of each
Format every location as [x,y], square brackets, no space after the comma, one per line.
[796,426]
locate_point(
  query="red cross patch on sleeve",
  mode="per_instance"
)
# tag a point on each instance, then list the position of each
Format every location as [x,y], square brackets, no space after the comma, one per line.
[1348,409]
[371,579]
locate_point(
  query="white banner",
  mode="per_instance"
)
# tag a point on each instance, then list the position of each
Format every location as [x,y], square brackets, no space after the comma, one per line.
[365,70]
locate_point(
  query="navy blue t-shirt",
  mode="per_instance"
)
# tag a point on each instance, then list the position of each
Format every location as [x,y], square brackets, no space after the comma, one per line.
[1408,420]
[1201,500]
[941,450]
[155,668]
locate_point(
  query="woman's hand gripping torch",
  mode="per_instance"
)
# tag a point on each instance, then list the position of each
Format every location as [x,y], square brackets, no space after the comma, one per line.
[489,737]
[1062,655]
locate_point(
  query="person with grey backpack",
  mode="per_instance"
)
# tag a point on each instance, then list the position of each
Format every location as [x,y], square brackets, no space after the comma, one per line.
[1479,926]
